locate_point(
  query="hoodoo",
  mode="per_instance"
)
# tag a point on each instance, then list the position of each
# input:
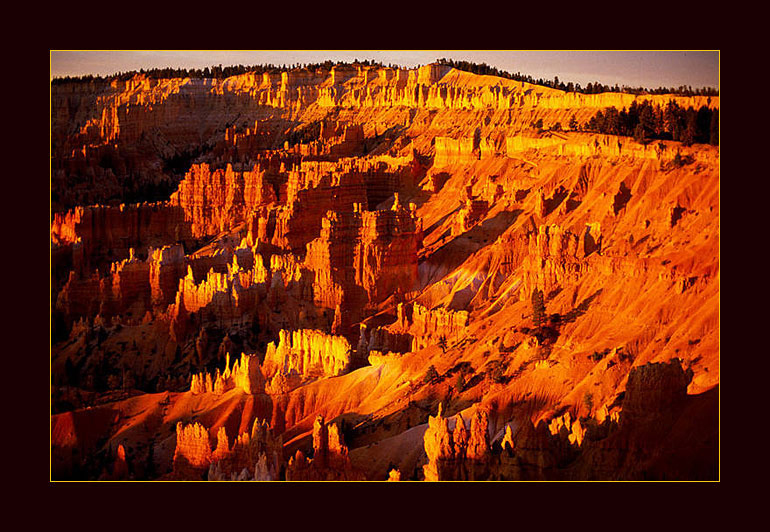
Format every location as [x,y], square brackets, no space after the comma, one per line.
[359,272]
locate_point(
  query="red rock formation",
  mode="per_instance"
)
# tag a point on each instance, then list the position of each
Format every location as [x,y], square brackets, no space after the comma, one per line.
[245,375]
[654,388]
[131,286]
[428,326]
[108,233]
[438,87]
[192,455]
[229,297]
[658,421]
[455,151]
[214,201]
[245,144]
[478,442]
[311,192]
[248,375]
[335,140]
[386,259]
[621,237]
[167,267]
[553,260]
[364,257]
[254,455]
[564,426]
[120,468]
[457,454]
[383,340]
[331,257]
[330,457]
[471,212]
[508,443]
[258,452]
[307,353]
[439,446]
[125,289]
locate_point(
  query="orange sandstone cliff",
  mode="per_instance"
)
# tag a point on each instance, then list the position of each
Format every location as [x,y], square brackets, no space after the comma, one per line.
[413,282]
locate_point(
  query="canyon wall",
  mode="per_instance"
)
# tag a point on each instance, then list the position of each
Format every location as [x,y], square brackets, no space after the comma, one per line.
[429,326]
[214,201]
[385,240]
[99,234]
[364,257]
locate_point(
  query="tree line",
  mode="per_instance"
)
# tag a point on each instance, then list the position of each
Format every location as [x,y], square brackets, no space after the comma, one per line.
[220,72]
[643,121]
[592,88]
[216,72]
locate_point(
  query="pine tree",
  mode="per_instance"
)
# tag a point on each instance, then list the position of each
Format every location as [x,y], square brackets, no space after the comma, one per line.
[442,344]
[430,375]
[459,383]
[70,372]
[538,308]
[690,133]
[639,133]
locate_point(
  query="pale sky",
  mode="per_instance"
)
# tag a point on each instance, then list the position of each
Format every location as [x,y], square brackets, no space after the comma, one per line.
[650,69]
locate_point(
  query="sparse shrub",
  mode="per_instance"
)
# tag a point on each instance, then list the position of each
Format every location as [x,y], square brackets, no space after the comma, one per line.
[538,308]
[639,133]
[431,375]
[442,344]
[598,355]
[113,382]
[622,355]
[459,383]
[495,371]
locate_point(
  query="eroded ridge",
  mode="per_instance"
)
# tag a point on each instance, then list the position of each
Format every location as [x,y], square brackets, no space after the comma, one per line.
[365,273]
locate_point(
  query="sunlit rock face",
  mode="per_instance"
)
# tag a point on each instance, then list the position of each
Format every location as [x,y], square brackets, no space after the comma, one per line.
[192,455]
[330,459]
[254,454]
[365,273]
[306,352]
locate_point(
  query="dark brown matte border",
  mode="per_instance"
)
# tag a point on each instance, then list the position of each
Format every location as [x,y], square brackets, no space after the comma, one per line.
[365,26]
